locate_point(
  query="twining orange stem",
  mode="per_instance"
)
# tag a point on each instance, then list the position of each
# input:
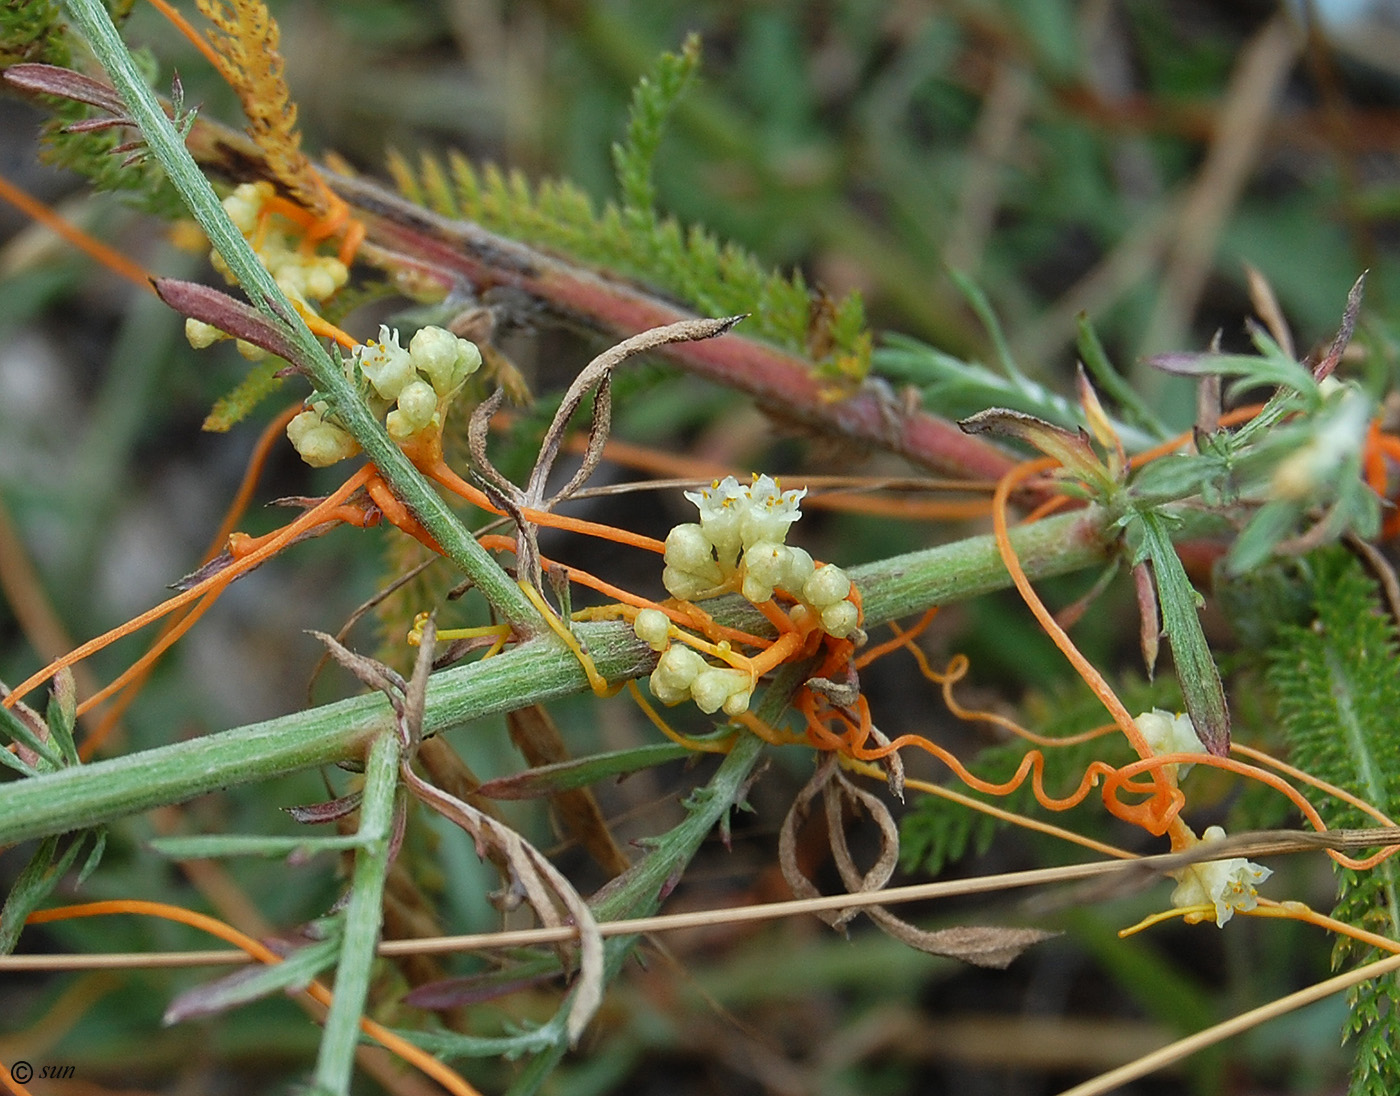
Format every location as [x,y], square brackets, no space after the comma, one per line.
[196,39]
[1307,778]
[1157,814]
[1024,821]
[424,1061]
[1296,911]
[1278,784]
[496,542]
[1230,418]
[265,548]
[442,473]
[109,257]
[272,433]
[257,461]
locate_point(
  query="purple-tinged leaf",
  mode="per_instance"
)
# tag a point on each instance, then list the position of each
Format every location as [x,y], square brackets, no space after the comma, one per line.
[66,84]
[294,973]
[1071,448]
[473,989]
[229,315]
[1344,333]
[316,814]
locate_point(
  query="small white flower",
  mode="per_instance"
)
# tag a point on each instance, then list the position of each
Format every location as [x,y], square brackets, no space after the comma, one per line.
[1228,885]
[770,513]
[722,508]
[1168,734]
[385,364]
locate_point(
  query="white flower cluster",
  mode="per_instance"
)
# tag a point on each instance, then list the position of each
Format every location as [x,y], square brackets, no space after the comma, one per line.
[741,530]
[1228,885]
[414,386]
[305,277]
[740,534]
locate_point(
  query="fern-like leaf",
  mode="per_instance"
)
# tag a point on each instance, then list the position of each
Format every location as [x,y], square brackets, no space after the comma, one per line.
[1337,695]
[653,100]
[629,240]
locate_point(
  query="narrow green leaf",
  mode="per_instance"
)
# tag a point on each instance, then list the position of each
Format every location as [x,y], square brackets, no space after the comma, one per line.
[580,772]
[1195,666]
[983,308]
[253,983]
[1095,359]
[20,732]
[62,714]
[37,881]
[209,846]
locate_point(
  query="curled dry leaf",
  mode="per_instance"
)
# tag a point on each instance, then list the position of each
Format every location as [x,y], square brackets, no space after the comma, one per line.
[984,946]
[539,881]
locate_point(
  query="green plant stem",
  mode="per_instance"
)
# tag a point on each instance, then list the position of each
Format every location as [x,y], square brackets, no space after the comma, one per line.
[326,373]
[533,672]
[363,915]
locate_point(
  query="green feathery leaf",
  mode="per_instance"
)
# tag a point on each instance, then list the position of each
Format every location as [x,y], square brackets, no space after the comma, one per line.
[1337,694]
[631,241]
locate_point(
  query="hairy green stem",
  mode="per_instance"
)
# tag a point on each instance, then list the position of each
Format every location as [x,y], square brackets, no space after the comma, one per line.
[363,915]
[534,672]
[326,373]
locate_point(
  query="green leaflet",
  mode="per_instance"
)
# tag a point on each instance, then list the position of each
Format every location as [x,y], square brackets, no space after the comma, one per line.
[1337,694]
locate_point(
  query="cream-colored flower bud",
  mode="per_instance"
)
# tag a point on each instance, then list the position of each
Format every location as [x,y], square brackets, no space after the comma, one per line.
[840,620]
[418,404]
[245,205]
[653,628]
[687,585]
[718,687]
[443,358]
[671,680]
[200,334]
[319,442]
[688,548]
[765,566]
[249,351]
[323,276]
[1168,734]
[799,569]
[828,585]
